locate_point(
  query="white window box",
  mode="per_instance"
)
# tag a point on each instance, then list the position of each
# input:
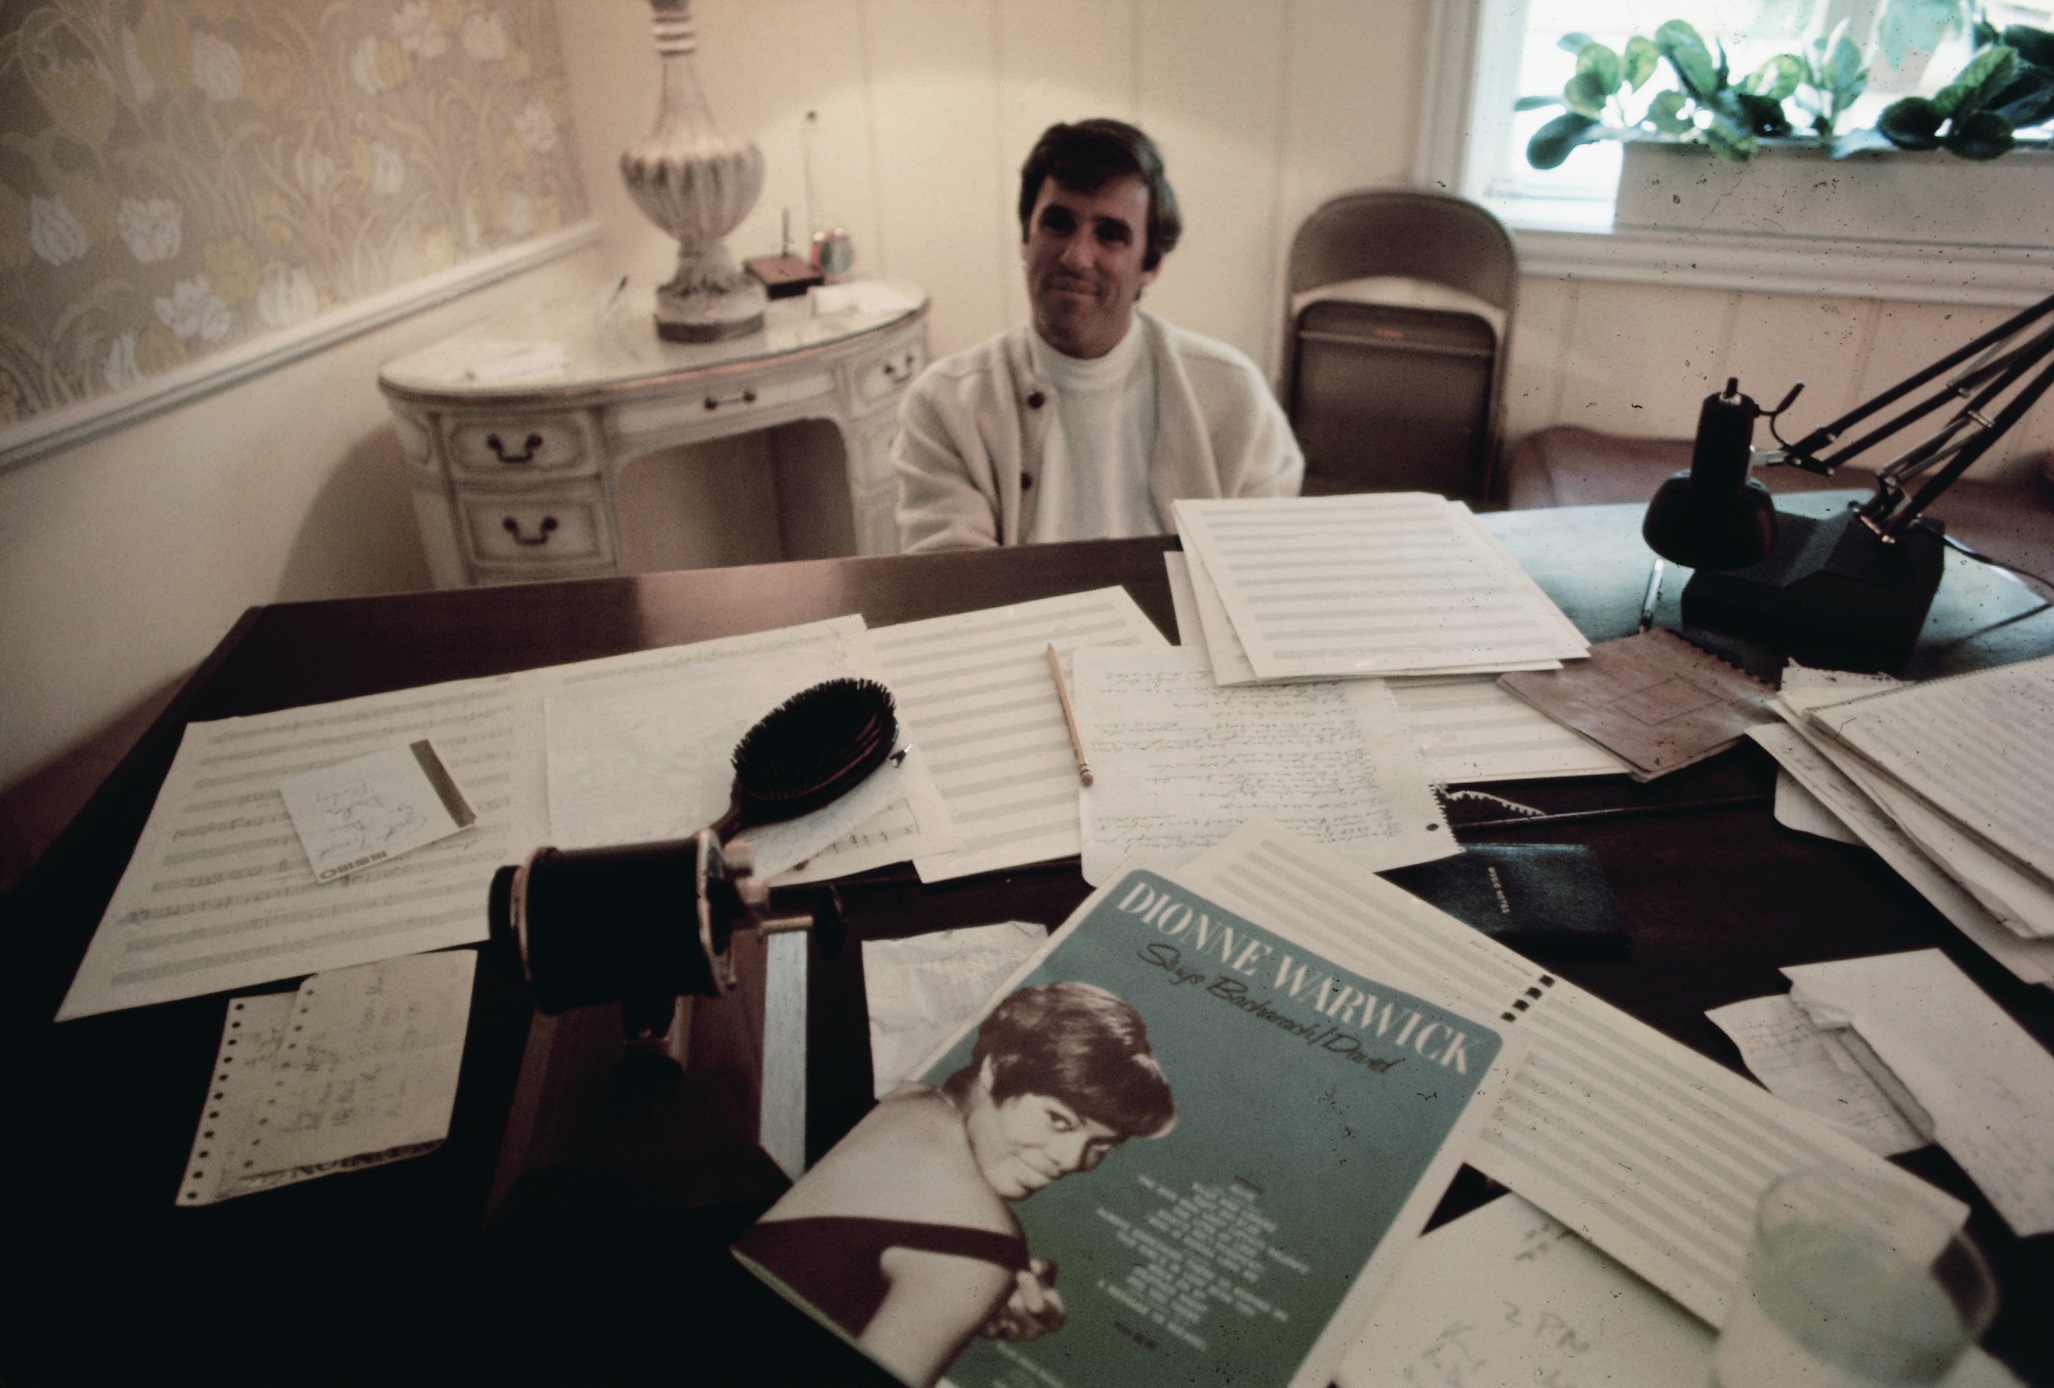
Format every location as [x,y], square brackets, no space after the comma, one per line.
[1796,189]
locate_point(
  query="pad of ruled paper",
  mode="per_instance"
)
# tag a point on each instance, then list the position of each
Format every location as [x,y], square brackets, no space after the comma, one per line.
[976,692]
[357,1068]
[1372,584]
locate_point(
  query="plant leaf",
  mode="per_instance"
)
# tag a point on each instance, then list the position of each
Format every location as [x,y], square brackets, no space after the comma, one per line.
[1534,103]
[2035,46]
[1677,41]
[1986,74]
[1776,79]
[1859,141]
[1641,58]
[1760,114]
[1666,113]
[1846,75]
[1911,122]
[1730,141]
[2029,99]
[1602,65]
[1553,142]
[1586,94]
[1573,43]
[1982,135]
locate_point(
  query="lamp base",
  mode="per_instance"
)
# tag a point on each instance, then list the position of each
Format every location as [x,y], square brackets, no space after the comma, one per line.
[1831,594]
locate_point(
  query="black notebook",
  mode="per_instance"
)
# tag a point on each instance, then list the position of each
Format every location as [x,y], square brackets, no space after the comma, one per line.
[1530,896]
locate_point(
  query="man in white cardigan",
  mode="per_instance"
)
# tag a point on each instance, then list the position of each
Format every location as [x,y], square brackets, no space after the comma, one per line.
[1089,421]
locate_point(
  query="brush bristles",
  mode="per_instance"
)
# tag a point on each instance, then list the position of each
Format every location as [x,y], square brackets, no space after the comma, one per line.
[813,747]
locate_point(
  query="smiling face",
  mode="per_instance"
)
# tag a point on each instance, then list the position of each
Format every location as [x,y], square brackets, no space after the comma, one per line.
[1029,1140]
[1084,254]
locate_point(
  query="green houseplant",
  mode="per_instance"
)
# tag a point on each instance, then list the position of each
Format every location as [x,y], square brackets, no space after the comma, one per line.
[2008,85]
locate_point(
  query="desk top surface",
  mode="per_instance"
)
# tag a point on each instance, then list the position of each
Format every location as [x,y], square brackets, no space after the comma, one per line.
[392,1274]
[610,343]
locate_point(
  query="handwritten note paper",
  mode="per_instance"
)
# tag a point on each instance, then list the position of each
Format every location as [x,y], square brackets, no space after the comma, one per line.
[373,808]
[1505,1297]
[1181,762]
[923,988]
[1987,1085]
[356,1069]
[1798,1062]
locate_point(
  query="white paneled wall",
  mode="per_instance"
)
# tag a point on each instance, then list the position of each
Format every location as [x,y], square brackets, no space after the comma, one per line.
[1637,359]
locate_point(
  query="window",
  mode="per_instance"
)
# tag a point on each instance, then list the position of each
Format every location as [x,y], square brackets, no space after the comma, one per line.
[1487,53]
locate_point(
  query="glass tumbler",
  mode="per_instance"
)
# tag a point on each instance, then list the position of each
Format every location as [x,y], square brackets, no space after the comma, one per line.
[1849,1284]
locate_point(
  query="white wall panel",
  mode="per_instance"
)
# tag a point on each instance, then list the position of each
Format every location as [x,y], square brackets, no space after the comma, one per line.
[1640,358]
[765,64]
[937,179]
[1779,340]
[1540,343]
[1211,73]
[1911,336]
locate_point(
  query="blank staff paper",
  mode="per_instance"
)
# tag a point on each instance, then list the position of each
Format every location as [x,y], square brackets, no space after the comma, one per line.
[1378,584]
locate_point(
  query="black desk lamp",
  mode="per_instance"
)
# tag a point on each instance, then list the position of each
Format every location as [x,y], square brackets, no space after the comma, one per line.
[1851,591]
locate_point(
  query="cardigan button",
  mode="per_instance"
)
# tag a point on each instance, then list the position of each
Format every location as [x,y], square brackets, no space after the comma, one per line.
[1035,399]
[1026,481]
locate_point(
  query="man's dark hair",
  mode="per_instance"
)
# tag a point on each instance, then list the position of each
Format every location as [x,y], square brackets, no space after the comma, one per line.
[1092,153]
[1078,1043]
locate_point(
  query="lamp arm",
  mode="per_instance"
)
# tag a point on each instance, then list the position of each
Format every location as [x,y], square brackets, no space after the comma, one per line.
[1976,389]
[1801,453]
[1969,450]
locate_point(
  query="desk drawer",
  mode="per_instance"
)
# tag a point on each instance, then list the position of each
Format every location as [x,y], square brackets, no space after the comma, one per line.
[544,531]
[512,445]
[885,374]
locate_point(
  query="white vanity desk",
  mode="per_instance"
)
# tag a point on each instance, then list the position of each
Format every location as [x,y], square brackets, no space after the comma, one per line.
[519,479]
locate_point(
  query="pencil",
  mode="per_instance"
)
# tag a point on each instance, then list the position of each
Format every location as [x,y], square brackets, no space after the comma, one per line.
[1055,670]
[1654,594]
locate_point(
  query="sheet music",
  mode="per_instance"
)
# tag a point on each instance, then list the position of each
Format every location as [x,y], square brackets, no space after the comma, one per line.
[2031,960]
[643,754]
[1470,729]
[1370,584]
[975,689]
[219,893]
[1978,747]
[1639,1144]
[1467,728]
[1181,762]
[2018,898]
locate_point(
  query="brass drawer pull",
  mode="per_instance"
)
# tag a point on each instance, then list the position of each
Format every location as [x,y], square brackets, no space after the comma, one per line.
[531,445]
[513,528]
[746,397]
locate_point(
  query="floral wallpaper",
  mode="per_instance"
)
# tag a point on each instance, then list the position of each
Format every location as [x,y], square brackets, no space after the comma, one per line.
[178,177]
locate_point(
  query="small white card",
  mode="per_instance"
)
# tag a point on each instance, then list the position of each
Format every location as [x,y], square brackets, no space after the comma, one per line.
[371,809]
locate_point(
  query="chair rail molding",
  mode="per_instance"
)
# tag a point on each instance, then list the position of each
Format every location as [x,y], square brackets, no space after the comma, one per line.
[52,431]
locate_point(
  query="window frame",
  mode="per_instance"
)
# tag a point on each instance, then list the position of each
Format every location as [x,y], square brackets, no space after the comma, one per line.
[1471,44]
